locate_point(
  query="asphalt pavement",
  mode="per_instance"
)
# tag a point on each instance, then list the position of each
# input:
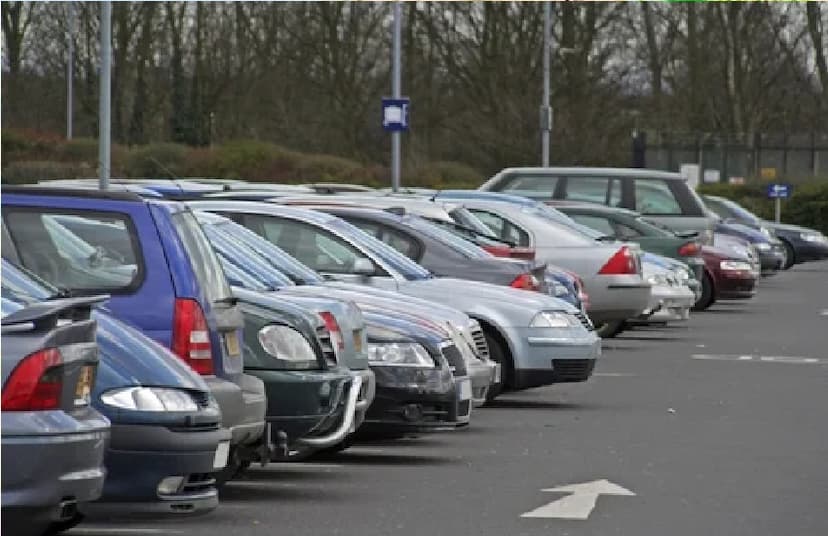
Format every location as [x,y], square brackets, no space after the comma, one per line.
[718,426]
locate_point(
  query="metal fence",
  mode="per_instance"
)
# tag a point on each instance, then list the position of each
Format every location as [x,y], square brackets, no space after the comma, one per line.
[786,156]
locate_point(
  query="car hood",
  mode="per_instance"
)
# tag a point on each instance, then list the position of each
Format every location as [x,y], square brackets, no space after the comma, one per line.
[789,227]
[474,292]
[130,358]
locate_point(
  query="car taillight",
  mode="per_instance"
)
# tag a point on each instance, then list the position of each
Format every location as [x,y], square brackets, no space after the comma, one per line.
[621,263]
[525,282]
[35,384]
[191,336]
[499,251]
[522,253]
[690,249]
[333,327]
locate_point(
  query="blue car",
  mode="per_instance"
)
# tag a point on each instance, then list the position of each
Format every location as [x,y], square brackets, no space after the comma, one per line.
[151,256]
[166,436]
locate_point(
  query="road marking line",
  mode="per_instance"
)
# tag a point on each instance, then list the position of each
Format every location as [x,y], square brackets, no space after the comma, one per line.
[118,530]
[824,312]
[579,503]
[793,359]
[615,374]
[280,466]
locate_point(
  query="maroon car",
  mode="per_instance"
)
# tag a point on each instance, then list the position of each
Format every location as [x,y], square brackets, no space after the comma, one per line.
[729,277]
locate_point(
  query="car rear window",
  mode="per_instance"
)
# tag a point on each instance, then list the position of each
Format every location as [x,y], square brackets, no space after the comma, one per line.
[83,251]
[203,259]
[659,197]
[530,185]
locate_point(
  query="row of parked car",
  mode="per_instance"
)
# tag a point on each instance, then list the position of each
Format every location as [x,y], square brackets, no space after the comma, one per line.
[161,336]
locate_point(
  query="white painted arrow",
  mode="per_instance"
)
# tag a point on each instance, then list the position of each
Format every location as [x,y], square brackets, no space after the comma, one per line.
[580,503]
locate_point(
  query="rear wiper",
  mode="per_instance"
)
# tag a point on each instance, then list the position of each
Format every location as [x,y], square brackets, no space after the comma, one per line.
[606,238]
[229,300]
[62,292]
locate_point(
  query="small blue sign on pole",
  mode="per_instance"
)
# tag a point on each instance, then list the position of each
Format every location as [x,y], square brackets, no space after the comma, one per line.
[779,191]
[395,114]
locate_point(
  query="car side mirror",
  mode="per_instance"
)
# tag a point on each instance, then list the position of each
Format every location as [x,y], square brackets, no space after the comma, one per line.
[364,266]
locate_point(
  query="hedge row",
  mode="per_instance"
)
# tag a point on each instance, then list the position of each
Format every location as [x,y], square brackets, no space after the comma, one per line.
[808,206]
[29,156]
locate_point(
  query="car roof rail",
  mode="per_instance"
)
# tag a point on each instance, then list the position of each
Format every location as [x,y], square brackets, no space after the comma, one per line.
[36,189]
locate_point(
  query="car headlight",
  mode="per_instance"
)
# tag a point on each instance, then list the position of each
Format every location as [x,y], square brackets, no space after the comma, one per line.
[149,399]
[762,246]
[286,344]
[734,266]
[551,319]
[811,237]
[658,280]
[390,348]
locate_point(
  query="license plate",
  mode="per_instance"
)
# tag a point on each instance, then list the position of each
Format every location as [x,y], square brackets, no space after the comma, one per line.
[496,373]
[231,341]
[464,390]
[220,459]
[358,340]
[83,388]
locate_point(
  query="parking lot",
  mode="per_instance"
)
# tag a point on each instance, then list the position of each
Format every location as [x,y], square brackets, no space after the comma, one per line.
[717,426]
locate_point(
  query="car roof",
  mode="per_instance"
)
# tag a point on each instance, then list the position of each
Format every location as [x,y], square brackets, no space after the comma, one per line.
[594,207]
[610,171]
[254,207]
[41,189]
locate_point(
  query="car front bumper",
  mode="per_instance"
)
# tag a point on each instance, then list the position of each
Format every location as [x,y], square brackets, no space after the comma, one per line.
[771,260]
[418,400]
[555,355]
[668,304]
[482,375]
[810,251]
[735,285]
[242,406]
[140,457]
[616,297]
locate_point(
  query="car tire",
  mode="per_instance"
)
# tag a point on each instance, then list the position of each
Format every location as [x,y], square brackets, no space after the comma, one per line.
[708,296]
[498,355]
[610,329]
[790,255]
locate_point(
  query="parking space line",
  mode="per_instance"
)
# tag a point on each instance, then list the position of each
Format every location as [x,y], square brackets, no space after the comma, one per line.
[615,374]
[745,358]
[80,531]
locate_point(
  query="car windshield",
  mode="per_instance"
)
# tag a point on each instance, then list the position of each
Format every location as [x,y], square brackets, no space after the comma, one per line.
[467,219]
[244,258]
[396,260]
[468,249]
[740,211]
[271,253]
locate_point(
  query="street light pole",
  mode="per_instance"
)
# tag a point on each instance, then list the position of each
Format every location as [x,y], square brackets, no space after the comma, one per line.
[70,67]
[546,109]
[105,96]
[396,90]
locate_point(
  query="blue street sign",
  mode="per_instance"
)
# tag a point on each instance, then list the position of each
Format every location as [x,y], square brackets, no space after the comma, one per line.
[779,191]
[395,114]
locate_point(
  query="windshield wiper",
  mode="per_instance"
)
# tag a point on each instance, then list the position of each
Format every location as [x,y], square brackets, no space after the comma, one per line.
[61,292]
[606,238]
[229,300]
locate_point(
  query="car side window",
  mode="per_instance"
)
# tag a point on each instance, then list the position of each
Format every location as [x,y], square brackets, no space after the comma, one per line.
[319,249]
[600,190]
[504,229]
[399,241]
[105,259]
[533,186]
[625,232]
[598,223]
[654,197]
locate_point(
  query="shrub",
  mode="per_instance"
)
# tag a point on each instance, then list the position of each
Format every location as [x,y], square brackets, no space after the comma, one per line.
[443,175]
[327,168]
[78,150]
[159,160]
[34,171]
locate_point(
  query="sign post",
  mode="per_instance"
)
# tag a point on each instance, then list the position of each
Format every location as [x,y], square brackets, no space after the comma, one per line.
[396,88]
[778,192]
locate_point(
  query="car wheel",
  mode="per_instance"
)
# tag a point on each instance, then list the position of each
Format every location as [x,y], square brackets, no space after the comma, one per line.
[498,355]
[708,295]
[790,255]
[608,330]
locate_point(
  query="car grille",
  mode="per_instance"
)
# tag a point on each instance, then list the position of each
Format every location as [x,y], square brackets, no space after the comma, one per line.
[481,347]
[197,483]
[201,398]
[572,370]
[455,360]
[584,320]
[325,340]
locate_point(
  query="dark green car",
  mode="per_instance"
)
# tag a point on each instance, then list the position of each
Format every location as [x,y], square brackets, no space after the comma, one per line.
[629,226]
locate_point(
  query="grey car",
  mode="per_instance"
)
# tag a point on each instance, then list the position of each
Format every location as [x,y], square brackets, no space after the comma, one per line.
[661,196]
[53,440]
[539,340]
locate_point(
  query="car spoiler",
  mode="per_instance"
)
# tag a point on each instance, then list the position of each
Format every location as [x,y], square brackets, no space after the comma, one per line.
[45,314]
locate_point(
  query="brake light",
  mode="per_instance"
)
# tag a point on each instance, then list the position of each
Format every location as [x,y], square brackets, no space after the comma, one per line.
[35,384]
[499,251]
[333,327]
[621,263]
[525,282]
[689,249]
[191,336]
[522,253]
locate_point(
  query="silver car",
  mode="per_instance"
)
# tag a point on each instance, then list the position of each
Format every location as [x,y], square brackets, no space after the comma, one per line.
[538,339]
[611,271]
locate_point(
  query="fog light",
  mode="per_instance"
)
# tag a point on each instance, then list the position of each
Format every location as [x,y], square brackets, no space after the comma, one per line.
[170,485]
[413,412]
